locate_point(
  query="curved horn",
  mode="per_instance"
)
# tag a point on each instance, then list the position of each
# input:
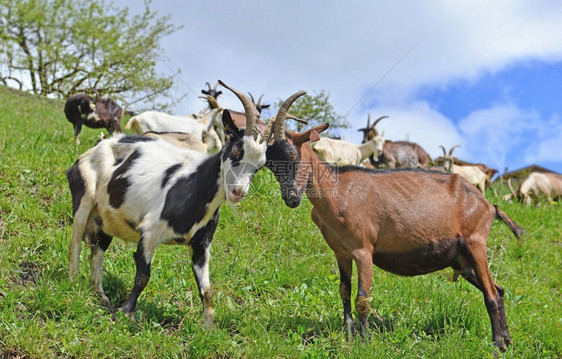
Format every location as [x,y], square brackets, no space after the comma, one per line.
[251,97]
[292,117]
[369,120]
[216,85]
[377,120]
[279,129]
[452,149]
[259,100]
[208,85]
[252,113]
[444,150]
[268,129]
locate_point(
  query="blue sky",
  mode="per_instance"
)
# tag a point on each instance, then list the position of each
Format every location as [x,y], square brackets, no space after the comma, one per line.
[534,87]
[485,75]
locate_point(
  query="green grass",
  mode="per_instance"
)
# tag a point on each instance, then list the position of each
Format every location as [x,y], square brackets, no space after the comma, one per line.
[275,279]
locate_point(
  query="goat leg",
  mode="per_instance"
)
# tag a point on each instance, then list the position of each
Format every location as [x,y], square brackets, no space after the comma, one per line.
[142,261]
[200,252]
[346,268]
[101,243]
[364,263]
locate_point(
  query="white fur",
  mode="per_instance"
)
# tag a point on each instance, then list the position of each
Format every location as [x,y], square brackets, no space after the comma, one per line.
[343,153]
[195,125]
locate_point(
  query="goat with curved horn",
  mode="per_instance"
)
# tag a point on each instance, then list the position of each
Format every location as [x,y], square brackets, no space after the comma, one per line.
[378,120]
[452,149]
[252,113]
[279,126]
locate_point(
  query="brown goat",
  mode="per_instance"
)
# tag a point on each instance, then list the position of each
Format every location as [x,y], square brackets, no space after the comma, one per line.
[395,154]
[408,222]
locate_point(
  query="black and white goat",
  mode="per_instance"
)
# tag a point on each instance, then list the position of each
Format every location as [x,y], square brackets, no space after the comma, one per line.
[151,192]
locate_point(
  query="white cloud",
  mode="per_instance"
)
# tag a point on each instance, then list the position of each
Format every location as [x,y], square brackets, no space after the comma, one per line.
[345,48]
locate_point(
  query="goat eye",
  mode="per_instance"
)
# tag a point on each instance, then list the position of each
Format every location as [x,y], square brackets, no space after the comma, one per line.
[235,152]
[293,155]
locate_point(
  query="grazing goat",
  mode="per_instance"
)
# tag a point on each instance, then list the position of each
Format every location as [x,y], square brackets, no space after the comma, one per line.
[342,153]
[408,222]
[488,171]
[472,174]
[81,109]
[196,125]
[150,192]
[539,184]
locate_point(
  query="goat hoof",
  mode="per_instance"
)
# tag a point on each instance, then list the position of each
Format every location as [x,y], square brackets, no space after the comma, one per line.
[348,329]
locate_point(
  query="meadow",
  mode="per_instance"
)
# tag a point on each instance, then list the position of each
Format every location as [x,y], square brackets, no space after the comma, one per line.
[274,278]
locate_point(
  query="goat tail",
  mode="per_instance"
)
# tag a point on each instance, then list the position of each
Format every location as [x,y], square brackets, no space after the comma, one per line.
[130,123]
[517,230]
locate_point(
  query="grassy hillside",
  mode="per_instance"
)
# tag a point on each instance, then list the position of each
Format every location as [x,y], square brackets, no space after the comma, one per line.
[275,280]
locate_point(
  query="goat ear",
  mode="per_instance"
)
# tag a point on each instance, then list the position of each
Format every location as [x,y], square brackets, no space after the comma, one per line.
[314,136]
[310,135]
[323,127]
[229,126]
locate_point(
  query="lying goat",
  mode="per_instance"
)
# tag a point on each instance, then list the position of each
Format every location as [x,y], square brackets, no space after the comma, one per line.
[472,174]
[408,222]
[342,153]
[150,192]
[81,109]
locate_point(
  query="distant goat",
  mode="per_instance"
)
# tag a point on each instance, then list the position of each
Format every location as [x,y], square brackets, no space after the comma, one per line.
[472,174]
[150,192]
[342,153]
[395,154]
[213,92]
[99,113]
[537,184]
[408,222]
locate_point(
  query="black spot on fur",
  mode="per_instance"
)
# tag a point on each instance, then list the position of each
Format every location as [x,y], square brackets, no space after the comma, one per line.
[119,183]
[179,240]
[135,139]
[238,147]
[201,241]
[187,199]
[132,225]
[169,173]
[76,184]
[104,240]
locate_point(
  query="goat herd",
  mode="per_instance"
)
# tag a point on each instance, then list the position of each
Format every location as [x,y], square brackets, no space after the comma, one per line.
[163,187]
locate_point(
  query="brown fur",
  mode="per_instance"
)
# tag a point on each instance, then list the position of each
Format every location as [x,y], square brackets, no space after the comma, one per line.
[407,222]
